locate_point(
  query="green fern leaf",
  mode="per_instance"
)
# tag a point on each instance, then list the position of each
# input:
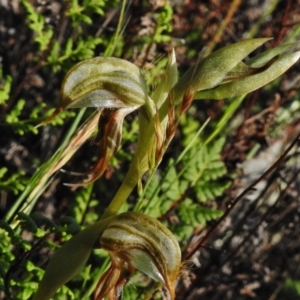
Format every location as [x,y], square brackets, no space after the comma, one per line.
[293,284]
[202,167]
[194,214]
[4,88]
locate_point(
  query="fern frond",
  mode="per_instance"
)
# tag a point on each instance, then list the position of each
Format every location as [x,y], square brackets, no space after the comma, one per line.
[5,87]
[43,35]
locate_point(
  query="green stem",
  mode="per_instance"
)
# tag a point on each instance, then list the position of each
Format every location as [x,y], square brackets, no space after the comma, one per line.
[140,163]
[140,204]
[97,275]
[137,168]
[112,46]
[233,106]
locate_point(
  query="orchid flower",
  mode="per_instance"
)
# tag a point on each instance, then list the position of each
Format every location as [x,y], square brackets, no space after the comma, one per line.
[115,87]
[134,240]
[137,241]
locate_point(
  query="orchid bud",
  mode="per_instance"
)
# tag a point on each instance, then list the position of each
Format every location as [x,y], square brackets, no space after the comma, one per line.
[222,74]
[135,240]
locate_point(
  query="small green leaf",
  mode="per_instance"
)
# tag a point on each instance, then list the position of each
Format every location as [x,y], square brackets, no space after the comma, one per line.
[293,284]
[5,88]
[42,220]
[194,214]
[27,222]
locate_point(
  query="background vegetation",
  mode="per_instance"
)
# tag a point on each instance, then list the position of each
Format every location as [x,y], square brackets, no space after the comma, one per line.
[221,147]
